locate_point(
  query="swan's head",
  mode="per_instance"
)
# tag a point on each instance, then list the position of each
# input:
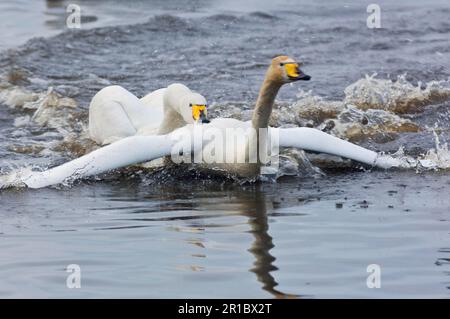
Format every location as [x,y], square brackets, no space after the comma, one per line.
[193,108]
[285,70]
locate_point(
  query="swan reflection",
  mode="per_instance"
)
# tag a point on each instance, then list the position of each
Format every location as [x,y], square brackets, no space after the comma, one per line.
[256,209]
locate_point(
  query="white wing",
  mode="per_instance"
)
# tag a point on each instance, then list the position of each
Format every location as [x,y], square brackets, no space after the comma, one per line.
[128,151]
[138,149]
[314,140]
[154,99]
[154,102]
[115,113]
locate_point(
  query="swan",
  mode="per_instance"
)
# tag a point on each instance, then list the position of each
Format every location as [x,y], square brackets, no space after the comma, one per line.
[115,113]
[138,149]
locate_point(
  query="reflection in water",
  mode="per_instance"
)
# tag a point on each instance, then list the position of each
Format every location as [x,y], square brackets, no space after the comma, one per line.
[256,211]
[250,203]
[190,240]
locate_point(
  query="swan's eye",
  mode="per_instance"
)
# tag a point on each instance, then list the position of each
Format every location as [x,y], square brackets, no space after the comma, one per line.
[190,104]
[281,64]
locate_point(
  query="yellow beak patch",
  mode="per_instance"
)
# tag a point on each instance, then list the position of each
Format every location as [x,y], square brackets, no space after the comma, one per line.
[197,110]
[292,69]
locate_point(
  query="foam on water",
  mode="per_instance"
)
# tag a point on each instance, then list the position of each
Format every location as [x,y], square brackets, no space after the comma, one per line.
[50,109]
[14,178]
[398,96]
[48,122]
[437,158]
[358,125]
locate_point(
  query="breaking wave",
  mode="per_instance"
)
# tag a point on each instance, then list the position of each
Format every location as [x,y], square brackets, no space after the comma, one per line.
[397,96]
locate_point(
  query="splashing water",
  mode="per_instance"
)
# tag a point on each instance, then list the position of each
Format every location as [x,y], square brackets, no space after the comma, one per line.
[437,158]
[398,96]
[14,178]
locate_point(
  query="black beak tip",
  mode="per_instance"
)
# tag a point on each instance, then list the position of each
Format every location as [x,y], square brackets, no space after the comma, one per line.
[205,121]
[305,77]
[301,77]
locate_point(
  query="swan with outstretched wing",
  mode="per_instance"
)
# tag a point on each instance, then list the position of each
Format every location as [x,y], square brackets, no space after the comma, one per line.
[194,140]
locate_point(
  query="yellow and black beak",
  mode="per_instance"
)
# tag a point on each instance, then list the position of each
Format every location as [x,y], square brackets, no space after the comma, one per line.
[199,112]
[294,72]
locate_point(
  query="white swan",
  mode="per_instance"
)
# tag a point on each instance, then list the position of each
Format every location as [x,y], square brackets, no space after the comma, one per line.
[137,149]
[115,113]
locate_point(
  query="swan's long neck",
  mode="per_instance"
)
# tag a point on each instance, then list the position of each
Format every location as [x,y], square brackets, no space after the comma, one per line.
[264,103]
[261,115]
[171,121]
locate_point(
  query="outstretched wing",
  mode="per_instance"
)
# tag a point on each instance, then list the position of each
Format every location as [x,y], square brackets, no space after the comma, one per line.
[314,140]
[138,149]
[128,151]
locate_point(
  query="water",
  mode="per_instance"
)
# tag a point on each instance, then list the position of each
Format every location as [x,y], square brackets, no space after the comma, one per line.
[160,234]
[284,239]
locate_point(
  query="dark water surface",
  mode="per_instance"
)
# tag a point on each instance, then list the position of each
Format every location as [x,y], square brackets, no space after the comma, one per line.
[193,240]
[144,236]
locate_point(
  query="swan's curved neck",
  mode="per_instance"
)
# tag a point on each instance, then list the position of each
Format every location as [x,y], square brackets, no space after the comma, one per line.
[171,121]
[263,110]
[265,101]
